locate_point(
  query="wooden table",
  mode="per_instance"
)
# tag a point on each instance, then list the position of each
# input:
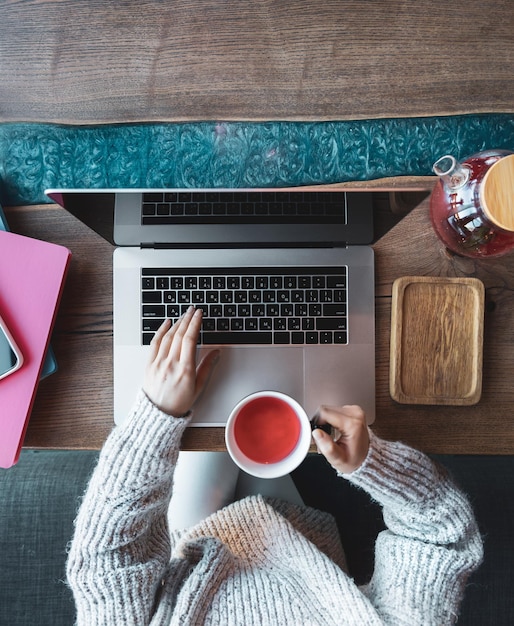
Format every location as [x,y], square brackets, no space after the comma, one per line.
[73,408]
[149,61]
[105,61]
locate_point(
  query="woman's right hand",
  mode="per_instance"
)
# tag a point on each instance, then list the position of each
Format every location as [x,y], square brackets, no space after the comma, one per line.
[173,381]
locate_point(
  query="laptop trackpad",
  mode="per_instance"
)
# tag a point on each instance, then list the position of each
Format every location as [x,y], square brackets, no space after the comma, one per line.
[242,371]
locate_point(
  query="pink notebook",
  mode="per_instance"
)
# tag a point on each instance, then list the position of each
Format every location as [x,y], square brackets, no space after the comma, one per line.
[32,276]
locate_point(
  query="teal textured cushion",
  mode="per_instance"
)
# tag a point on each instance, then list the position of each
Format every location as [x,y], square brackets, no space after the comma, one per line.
[34,157]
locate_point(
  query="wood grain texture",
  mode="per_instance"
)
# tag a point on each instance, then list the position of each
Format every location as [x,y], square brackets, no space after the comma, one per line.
[73,408]
[436,340]
[412,248]
[97,61]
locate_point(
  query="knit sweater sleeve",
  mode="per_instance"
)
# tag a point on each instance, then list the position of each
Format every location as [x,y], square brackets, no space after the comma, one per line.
[121,545]
[431,543]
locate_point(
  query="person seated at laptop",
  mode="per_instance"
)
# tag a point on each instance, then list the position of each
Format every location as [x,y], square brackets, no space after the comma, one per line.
[259,561]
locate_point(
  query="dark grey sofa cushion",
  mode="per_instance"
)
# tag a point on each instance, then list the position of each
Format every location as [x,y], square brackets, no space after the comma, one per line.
[489,482]
[39,498]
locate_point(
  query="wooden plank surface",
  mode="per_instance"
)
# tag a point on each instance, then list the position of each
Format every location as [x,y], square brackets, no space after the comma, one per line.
[412,248]
[105,61]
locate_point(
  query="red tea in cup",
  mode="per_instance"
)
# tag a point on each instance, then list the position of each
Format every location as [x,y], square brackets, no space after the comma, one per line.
[267,429]
[268,434]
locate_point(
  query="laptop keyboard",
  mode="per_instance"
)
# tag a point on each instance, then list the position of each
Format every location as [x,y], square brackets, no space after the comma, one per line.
[251,306]
[250,206]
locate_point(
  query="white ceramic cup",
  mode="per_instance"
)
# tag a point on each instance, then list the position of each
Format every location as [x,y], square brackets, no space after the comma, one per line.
[268,434]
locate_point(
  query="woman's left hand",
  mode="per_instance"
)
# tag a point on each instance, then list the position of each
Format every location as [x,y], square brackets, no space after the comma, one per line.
[350,449]
[172,379]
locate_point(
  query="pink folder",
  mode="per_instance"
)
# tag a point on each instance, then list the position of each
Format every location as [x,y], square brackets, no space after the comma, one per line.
[32,276]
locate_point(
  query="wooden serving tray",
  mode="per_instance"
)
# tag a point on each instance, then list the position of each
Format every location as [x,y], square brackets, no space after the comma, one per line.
[436,340]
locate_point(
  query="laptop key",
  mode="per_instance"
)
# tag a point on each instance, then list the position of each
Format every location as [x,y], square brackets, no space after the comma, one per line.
[152,197]
[163,209]
[209,325]
[340,337]
[334,310]
[251,324]
[307,323]
[149,208]
[244,310]
[191,208]
[152,297]
[293,323]
[173,311]
[240,338]
[336,282]
[280,323]
[331,323]
[154,311]
[265,323]
[153,324]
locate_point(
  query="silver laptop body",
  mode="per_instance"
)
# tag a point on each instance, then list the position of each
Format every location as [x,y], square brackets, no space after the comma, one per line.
[334,374]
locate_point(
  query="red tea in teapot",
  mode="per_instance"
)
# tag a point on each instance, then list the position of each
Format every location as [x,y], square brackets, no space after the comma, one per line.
[471,205]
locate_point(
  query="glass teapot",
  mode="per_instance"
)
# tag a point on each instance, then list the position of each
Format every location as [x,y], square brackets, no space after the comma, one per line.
[472,204]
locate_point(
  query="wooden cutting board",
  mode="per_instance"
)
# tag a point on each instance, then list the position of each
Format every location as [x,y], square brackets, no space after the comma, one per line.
[436,340]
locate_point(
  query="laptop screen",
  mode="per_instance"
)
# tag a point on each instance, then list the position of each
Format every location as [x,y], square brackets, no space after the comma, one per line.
[240,217]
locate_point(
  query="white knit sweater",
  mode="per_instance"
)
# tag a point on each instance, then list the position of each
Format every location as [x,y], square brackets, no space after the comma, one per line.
[260,562]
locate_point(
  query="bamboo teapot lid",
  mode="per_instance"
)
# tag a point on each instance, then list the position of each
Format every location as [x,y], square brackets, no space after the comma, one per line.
[497,193]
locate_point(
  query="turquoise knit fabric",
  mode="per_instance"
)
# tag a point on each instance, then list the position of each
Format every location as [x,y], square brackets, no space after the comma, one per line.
[34,157]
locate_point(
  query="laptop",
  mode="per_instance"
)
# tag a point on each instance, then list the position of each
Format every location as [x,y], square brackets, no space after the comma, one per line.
[284,277]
